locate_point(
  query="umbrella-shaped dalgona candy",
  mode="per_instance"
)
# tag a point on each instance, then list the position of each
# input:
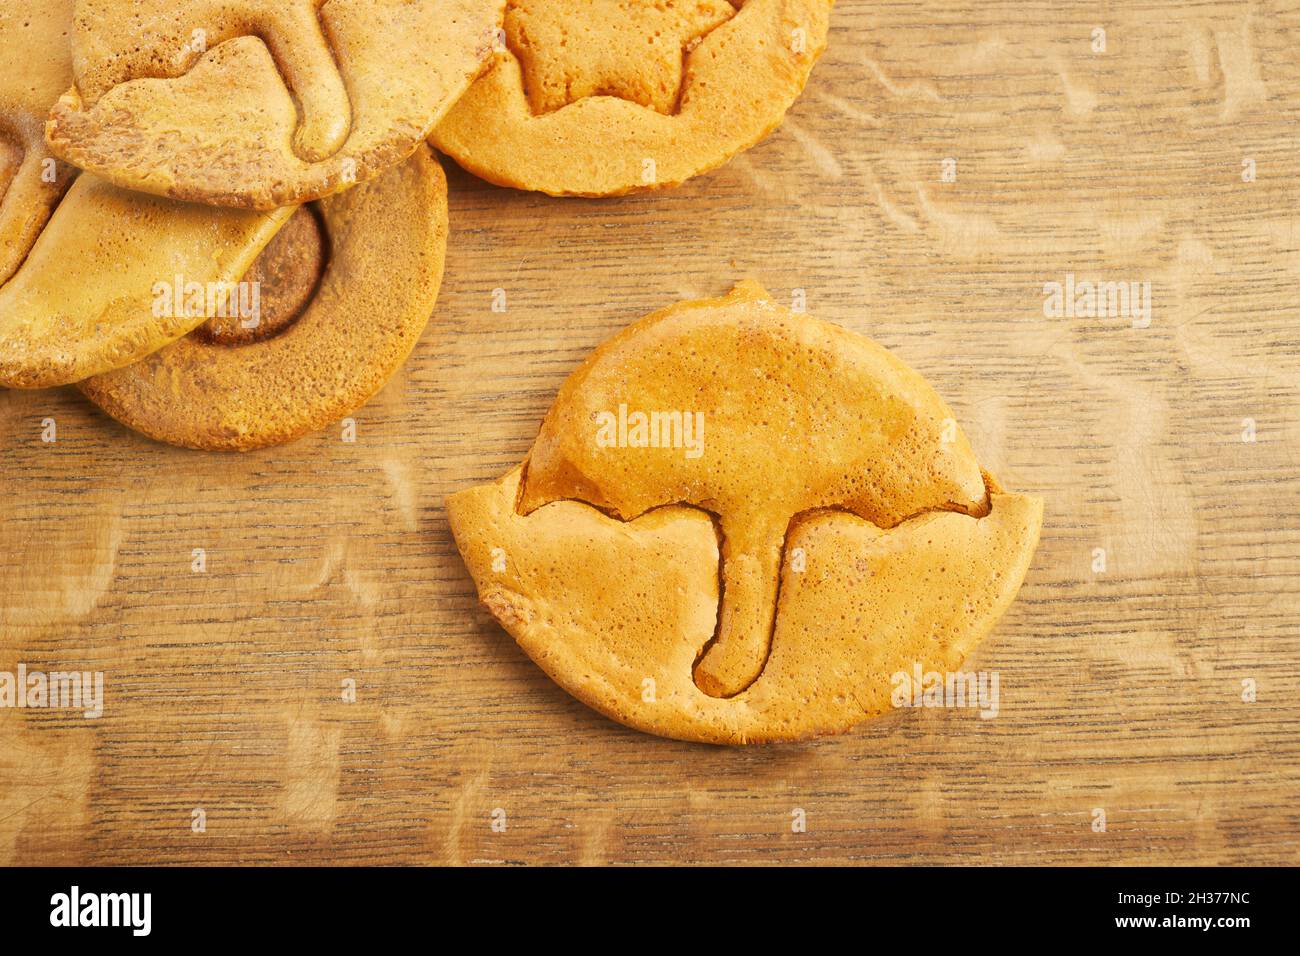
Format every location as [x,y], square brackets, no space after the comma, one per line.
[263,103]
[762,514]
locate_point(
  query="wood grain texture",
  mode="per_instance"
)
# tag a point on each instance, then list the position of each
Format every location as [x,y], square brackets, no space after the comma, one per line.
[326,560]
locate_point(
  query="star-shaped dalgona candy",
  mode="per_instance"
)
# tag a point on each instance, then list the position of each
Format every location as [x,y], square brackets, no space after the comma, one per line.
[632,49]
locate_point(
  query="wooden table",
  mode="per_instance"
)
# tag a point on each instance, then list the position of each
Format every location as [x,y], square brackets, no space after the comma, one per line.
[326,561]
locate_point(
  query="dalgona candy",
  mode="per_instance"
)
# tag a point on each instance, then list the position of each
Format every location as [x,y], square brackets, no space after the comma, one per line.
[81,261]
[342,295]
[603,97]
[824,526]
[263,103]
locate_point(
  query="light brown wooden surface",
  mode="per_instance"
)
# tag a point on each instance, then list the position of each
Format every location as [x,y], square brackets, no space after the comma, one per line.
[1120,690]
